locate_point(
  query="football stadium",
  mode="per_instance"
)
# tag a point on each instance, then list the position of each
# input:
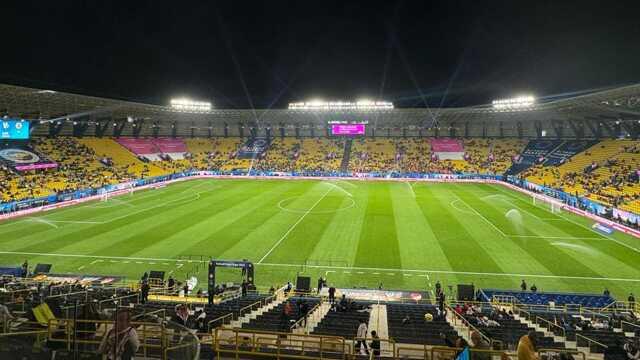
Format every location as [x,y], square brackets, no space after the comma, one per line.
[351,228]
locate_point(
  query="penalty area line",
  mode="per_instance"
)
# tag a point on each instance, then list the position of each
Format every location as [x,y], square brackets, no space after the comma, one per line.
[451,272]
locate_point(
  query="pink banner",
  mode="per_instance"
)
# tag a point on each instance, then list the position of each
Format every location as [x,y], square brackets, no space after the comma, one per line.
[36,166]
[446,145]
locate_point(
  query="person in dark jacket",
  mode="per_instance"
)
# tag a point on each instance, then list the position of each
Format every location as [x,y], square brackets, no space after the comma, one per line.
[375,343]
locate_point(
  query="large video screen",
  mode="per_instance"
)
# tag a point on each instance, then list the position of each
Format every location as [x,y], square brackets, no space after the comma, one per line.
[14,129]
[347,129]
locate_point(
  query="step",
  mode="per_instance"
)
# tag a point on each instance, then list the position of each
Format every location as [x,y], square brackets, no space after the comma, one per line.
[378,321]
[255,313]
[314,318]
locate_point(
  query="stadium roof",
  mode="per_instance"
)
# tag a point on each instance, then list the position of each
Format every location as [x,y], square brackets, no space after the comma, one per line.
[613,104]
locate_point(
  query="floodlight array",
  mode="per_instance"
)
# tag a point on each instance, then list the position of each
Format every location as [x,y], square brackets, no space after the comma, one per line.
[341,105]
[517,103]
[190,105]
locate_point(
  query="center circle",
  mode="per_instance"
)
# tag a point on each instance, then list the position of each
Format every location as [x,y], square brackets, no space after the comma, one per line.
[282,204]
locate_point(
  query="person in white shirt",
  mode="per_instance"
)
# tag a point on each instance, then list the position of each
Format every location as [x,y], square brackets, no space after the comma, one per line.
[361,335]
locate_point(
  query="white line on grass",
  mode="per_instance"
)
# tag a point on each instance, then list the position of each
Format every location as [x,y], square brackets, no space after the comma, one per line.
[413,193]
[294,226]
[457,272]
[557,237]
[339,188]
[482,216]
[584,226]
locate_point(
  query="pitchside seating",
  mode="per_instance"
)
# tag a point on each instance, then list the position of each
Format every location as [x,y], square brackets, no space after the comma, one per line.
[281,156]
[417,330]
[505,328]
[544,298]
[344,323]
[274,320]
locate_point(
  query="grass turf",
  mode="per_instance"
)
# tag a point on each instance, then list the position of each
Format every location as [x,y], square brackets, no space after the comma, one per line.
[356,233]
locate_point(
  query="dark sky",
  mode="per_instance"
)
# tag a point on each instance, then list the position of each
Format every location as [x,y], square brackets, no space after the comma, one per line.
[241,54]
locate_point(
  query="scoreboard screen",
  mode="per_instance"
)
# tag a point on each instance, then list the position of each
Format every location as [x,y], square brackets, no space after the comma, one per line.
[347,129]
[14,129]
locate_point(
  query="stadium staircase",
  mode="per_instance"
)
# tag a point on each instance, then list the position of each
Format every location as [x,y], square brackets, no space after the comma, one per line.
[568,344]
[378,322]
[245,319]
[346,156]
[314,318]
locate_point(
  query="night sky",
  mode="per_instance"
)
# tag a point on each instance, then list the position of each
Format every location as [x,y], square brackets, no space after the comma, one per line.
[243,54]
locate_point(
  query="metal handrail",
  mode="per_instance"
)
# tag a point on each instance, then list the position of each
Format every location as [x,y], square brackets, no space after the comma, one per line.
[223,317]
[591,341]
[248,307]
[566,351]
[550,324]
[471,327]
[306,317]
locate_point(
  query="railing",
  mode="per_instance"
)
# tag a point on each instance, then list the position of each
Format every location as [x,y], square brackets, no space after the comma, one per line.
[627,325]
[314,315]
[249,308]
[560,351]
[445,353]
[591,342]
[239,342]
[471,328]
[116,301]
[551,326]
[224,319]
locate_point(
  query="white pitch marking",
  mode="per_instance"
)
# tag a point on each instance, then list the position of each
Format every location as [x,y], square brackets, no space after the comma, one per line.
[345,268]
[482,216]
[581,225]
[451,272]
[413,193]
[294,226]
[339,188]
[557,237]
[43,221]
[81,267]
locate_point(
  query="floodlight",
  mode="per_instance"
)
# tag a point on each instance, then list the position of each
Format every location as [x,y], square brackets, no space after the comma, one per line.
[184,104]
[316,104]
[516,103]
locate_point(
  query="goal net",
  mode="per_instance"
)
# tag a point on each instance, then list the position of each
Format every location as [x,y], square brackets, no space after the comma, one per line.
[552,205]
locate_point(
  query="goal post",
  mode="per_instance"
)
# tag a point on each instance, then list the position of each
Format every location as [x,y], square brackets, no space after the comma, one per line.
[552,205]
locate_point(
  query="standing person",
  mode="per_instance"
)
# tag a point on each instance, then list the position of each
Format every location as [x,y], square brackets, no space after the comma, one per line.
[25,269]
[632,301]
[438,288]
[245,286]
[332,294]
[523,286]
[479,343]
[185,289]
[320,283]
[527,347]
[144,292]
[121,342]
[441,302]
[361,335]
[287,312]
[375,343]
[304,310]
[170,284]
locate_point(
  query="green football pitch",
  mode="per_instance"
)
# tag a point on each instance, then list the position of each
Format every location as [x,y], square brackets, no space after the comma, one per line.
[355,233]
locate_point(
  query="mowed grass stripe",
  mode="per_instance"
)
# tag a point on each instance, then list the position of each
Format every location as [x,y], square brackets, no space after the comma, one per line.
[626,259]
[539,250]
[419,246]
[509,257]
[378,244]
[66,234]
[303,240]
[184,217]
[236,228]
